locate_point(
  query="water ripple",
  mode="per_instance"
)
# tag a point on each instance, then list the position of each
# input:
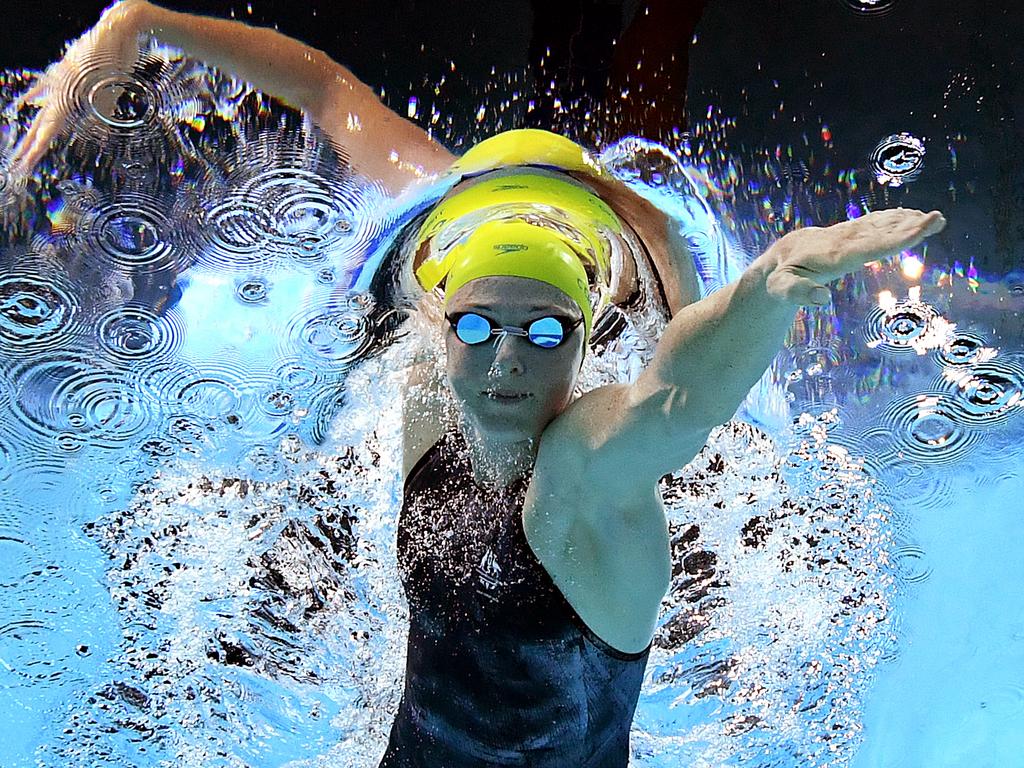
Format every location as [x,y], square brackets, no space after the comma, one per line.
[900,329]
[928,427]
[67,394]
[985,394]
[36,313]
[132,334]
[898,159]
[963,348]
[870,7]
[104,103]
[328,336]
[129,233]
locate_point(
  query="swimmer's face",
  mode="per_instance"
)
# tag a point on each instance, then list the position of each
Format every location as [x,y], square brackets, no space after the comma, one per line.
[516,366]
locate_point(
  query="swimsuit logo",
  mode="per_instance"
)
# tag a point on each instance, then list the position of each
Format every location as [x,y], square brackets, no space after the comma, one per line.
[489,573]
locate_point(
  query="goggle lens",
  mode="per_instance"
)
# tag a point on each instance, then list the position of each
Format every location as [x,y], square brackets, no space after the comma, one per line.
[545,332]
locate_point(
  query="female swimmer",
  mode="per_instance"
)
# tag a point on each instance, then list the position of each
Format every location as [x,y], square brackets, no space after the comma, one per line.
[532,541]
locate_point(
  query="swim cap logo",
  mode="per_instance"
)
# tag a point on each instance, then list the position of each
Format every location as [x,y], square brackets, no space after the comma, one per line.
[509,247]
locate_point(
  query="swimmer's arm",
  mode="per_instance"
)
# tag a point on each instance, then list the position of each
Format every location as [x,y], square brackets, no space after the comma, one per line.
[708,358]
[714,351]
[381,144]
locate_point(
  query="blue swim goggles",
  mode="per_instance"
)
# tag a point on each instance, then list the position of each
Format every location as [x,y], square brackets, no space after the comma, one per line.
[545,332]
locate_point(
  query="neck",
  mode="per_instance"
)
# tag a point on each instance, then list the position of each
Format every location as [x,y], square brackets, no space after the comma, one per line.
[499,462]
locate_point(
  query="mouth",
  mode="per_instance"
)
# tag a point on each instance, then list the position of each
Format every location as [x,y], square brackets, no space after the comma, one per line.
[505,397]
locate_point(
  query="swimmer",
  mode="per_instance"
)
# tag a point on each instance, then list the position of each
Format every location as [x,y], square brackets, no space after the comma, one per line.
[532,542]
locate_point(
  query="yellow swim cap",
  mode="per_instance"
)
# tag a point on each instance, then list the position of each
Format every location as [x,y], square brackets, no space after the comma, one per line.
[518,249]
[526,146]
[584,220]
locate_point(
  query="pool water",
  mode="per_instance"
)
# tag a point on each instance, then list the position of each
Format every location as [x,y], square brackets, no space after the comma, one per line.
[201,356]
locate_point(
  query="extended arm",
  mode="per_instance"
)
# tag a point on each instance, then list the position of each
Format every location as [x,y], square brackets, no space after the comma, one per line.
[380,144]
[714,351]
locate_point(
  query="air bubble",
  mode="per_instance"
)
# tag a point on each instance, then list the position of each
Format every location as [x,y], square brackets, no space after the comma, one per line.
[898,159]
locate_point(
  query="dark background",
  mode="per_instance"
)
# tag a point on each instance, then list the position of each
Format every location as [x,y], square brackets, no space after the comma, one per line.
[947,72]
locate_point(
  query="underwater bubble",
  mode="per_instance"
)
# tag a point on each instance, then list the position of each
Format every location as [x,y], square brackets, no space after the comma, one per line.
[898,159]
[928,427]
[189,433]
[870,7]
[985,394]
[158,451]
[264,463]
[277,402]
[326,276]
[252,291]
[134,333]
[36,313]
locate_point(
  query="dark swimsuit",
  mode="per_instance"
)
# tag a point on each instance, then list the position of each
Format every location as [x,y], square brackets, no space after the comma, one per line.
[500,670]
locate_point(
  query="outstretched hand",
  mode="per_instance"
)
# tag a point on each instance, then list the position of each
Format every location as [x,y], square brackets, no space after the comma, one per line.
[112,44]
[805,260]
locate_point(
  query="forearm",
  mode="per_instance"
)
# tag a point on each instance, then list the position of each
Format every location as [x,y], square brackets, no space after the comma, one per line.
[379,143]
[270,61]
[715,350]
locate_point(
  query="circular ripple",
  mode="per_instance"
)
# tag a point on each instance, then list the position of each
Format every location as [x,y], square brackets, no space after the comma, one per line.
[328,336]
[911,565]
[6,453]
[79,196]
[985,394]
[296,376]
[129,233]
[898,159]
[130,334]
[36,313]
[870,7]
[928,427]
[962,349]
[226,392]
[900,329]
[278,203]
[252,291]
[105,104]
[68,394]
[122,102]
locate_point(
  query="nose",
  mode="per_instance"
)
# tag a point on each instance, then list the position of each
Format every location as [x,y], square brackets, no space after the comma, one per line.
[507,359]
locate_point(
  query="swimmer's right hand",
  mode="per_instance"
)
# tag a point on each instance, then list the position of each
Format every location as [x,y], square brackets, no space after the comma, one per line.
[111,45]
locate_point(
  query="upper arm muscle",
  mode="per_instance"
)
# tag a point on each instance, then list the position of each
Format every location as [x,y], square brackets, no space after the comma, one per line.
[633,434]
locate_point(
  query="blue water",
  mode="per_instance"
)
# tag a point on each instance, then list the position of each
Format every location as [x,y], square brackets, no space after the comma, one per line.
[197,498]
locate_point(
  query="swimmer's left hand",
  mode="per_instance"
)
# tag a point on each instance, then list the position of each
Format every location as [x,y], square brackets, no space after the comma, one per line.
[805,260]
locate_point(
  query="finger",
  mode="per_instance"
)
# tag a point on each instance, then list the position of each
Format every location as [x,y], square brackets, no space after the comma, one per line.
[796,289]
